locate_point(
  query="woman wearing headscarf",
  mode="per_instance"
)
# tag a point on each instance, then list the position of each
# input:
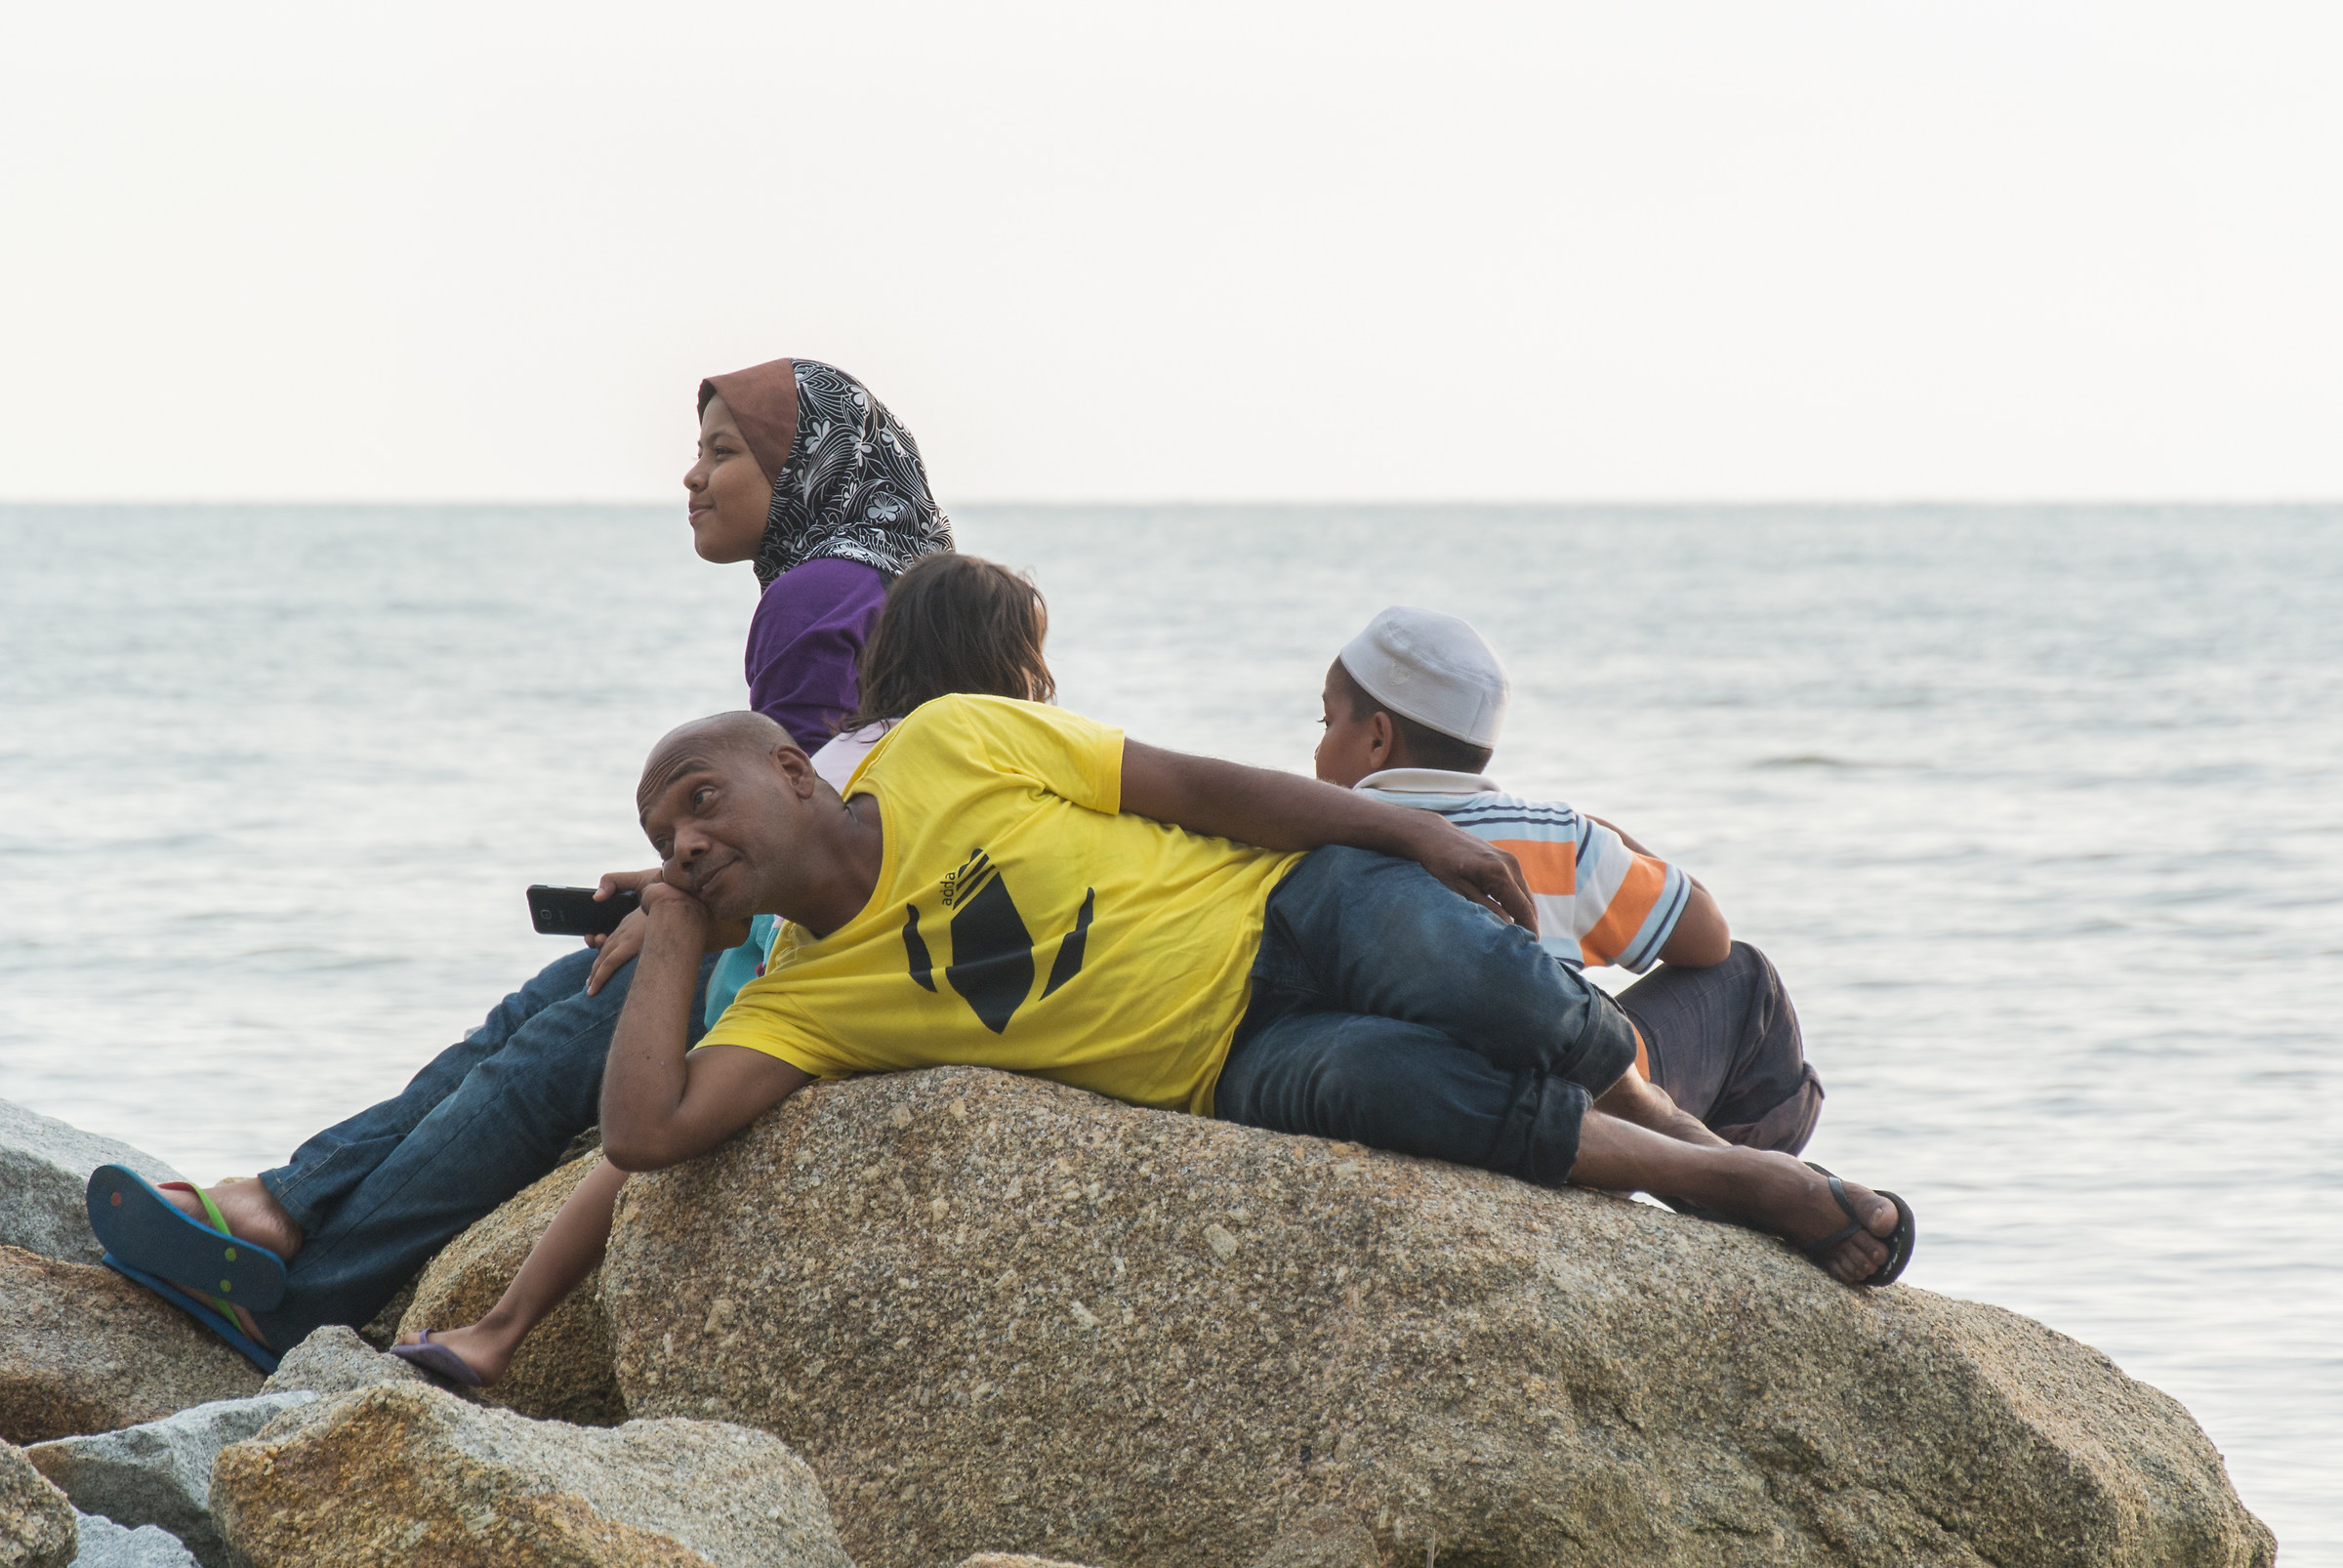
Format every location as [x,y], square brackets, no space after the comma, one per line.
[806,473]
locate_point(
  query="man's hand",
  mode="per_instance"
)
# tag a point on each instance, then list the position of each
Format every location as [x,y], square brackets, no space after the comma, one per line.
[621,947]
[624,881]
[661,1105]
[669,904]
[615,950]
[1480,870]
[1281,811]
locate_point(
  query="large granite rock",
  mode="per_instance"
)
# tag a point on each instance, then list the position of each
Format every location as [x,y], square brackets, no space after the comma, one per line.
[44,1167]
[160,1472]
[36,1521]
[562,1371]
[107,1545]
[334,1360]
[398,1475]
[996,1313]
[82,1350]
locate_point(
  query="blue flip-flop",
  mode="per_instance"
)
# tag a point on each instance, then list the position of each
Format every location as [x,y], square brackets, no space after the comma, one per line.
[220,1323]
[437,1358]
[144,1229]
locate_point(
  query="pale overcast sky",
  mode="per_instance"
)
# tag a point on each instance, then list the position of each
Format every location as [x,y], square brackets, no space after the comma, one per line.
[1660,249]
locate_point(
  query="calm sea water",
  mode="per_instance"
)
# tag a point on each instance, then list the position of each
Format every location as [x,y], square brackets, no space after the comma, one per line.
[2040,811]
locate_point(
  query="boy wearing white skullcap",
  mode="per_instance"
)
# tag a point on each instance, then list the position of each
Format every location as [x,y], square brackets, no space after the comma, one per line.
[1413,707]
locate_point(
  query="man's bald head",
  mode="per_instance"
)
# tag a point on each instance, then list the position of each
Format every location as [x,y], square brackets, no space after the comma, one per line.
[720,737]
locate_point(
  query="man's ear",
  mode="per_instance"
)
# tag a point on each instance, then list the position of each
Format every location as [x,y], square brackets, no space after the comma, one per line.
[796,770]
[1382,738]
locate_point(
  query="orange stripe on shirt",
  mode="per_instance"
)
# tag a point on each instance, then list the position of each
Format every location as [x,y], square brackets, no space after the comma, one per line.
[1638,891]
[1548,867]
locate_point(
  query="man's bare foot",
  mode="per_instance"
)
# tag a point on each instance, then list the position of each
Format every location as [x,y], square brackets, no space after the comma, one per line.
[482,1348]
[252,1214]
[1792,1199]
[251,1209]
[1771,1192]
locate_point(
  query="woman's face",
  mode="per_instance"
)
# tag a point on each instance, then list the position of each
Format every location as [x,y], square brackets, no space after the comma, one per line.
[729,494]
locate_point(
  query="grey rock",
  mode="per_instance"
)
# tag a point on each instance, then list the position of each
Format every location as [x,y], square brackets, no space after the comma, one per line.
[160,1472]
[37,1522]
[999,1313]
[107,1545]
[82,1350]
[407,1473]
[334,1360]
[44,1167]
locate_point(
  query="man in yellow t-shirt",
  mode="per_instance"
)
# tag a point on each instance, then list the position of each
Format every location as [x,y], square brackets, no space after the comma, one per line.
[1019,921]
[1006,885]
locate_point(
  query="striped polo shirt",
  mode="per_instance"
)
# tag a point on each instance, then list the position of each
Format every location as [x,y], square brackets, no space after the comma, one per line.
[1598,901]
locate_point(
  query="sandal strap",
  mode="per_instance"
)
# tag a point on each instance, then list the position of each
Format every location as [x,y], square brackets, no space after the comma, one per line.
[212,1210]
[218,1220]
[220,1305]
[1820,1249]
[1855,1226]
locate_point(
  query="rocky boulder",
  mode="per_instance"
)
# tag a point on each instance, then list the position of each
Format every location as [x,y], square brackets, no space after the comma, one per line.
[160,1472]
[395,1475]
[37,1528]
[44,1167]
[82,1350]
[334,1360]
[996,1313]
[564,1370]
[107,1545]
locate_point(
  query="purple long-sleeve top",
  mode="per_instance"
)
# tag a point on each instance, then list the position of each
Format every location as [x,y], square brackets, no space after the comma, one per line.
[808,626]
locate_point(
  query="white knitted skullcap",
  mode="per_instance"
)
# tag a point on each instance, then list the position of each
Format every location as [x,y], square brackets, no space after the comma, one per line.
[1433,669]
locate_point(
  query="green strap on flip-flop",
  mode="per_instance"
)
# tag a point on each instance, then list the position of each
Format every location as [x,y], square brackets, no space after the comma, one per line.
[218,1223]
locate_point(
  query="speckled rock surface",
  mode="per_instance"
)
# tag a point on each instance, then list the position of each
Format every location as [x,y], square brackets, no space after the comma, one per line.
[160,1472]
[36,1521]
[998,1314]
[406,1474]
[82,1350]
[44,1167]
[1014,1559]
[562,1371]
[334,1360]
[107,1545]
[1323,1537]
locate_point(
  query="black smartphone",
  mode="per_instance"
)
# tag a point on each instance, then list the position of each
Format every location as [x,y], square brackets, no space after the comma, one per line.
[573,911]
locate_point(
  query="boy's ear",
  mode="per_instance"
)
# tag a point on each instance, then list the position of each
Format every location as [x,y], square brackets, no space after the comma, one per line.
[1383,738]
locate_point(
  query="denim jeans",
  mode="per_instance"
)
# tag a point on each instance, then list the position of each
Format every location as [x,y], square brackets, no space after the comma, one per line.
[1724,1044]
[1389,1012]
[378,1195]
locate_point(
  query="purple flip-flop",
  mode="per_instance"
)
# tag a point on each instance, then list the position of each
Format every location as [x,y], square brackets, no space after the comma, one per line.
[438,1359]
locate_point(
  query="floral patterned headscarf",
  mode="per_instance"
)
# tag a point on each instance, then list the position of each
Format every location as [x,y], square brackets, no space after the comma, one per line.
[847,479]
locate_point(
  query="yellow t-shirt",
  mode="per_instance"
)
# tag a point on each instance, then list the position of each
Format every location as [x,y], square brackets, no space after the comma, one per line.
[1020,922]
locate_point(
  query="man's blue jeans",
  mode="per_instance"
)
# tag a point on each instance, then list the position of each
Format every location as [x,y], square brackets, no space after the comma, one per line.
[1389,1012]
[377,1196]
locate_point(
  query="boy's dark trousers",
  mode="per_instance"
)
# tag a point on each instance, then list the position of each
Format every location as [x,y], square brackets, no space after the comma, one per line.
[1724,1042]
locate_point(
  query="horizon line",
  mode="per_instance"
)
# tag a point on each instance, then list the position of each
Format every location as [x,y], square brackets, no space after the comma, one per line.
[1651,503]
